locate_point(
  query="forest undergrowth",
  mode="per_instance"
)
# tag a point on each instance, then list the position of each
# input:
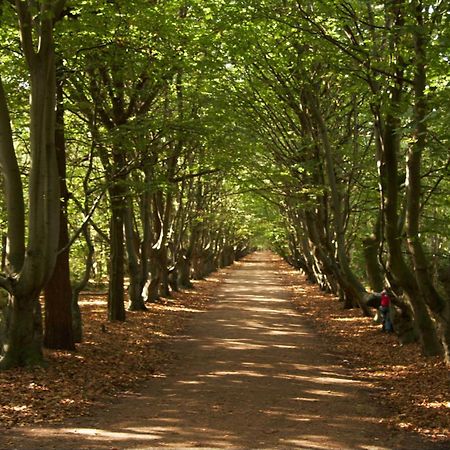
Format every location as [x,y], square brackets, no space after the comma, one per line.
[115,357]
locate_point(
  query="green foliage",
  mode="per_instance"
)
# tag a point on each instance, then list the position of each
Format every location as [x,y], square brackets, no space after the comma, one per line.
[221,86]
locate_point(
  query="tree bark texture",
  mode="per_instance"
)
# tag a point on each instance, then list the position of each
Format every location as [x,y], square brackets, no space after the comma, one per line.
[136,302]
[58,332]
[13,191]
[116,294]
[23,332]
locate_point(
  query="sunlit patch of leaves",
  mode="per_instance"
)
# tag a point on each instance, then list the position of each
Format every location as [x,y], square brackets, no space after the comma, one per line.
[414,388]
[113,358]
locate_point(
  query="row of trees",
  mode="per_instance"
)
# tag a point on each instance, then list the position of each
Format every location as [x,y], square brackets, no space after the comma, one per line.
[165,139]
[119,150]
[351,100]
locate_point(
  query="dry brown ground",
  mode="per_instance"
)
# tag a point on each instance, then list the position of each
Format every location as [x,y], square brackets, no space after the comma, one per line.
[117,360]
[113,359]
[417,389]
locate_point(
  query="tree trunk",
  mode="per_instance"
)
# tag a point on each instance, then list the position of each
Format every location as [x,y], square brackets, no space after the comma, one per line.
[227,256]
[371,246]
[77,322]
[24,333]
[134,269]
[162,214]
[352,287]
[164,286]
[437,304]
[116,294]
[184,270]
[151,291]
[396,264]
[146,244]
[186,257]
[58,292]
[173,279]
[58,298]
[13,192]
[23,341]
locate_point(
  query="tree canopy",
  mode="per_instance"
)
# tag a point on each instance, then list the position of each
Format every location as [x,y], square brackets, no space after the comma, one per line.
[163,140]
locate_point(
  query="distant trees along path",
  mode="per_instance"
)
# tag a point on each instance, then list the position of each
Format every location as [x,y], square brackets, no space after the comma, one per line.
[143,144]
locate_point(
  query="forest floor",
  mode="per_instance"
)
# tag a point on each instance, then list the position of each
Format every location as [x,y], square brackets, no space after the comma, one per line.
[253,357]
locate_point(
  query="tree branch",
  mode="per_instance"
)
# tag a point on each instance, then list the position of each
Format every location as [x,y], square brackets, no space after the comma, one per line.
[13,188]
[193,175]
[86,219]
[26,31]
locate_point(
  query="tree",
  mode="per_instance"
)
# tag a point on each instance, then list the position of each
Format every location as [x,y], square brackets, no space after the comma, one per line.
[29,265]
[58,330]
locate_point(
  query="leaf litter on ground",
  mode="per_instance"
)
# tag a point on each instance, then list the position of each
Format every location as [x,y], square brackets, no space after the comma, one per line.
[415,389]
[112,359]
[115,357]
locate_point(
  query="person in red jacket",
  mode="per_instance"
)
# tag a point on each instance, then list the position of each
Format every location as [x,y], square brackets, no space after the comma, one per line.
[385,310]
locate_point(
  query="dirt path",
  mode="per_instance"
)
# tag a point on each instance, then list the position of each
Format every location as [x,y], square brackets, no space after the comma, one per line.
[248,373]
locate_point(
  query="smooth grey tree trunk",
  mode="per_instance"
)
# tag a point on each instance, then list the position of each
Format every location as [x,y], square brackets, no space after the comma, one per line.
[32,268]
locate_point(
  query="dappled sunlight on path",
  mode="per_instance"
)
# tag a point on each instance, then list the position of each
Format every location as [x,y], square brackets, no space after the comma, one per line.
[248,373]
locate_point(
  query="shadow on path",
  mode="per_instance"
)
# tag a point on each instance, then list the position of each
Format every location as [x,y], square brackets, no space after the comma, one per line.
[248,373]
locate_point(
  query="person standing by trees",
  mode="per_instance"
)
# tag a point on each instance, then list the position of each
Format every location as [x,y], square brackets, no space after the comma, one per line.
[385,310]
